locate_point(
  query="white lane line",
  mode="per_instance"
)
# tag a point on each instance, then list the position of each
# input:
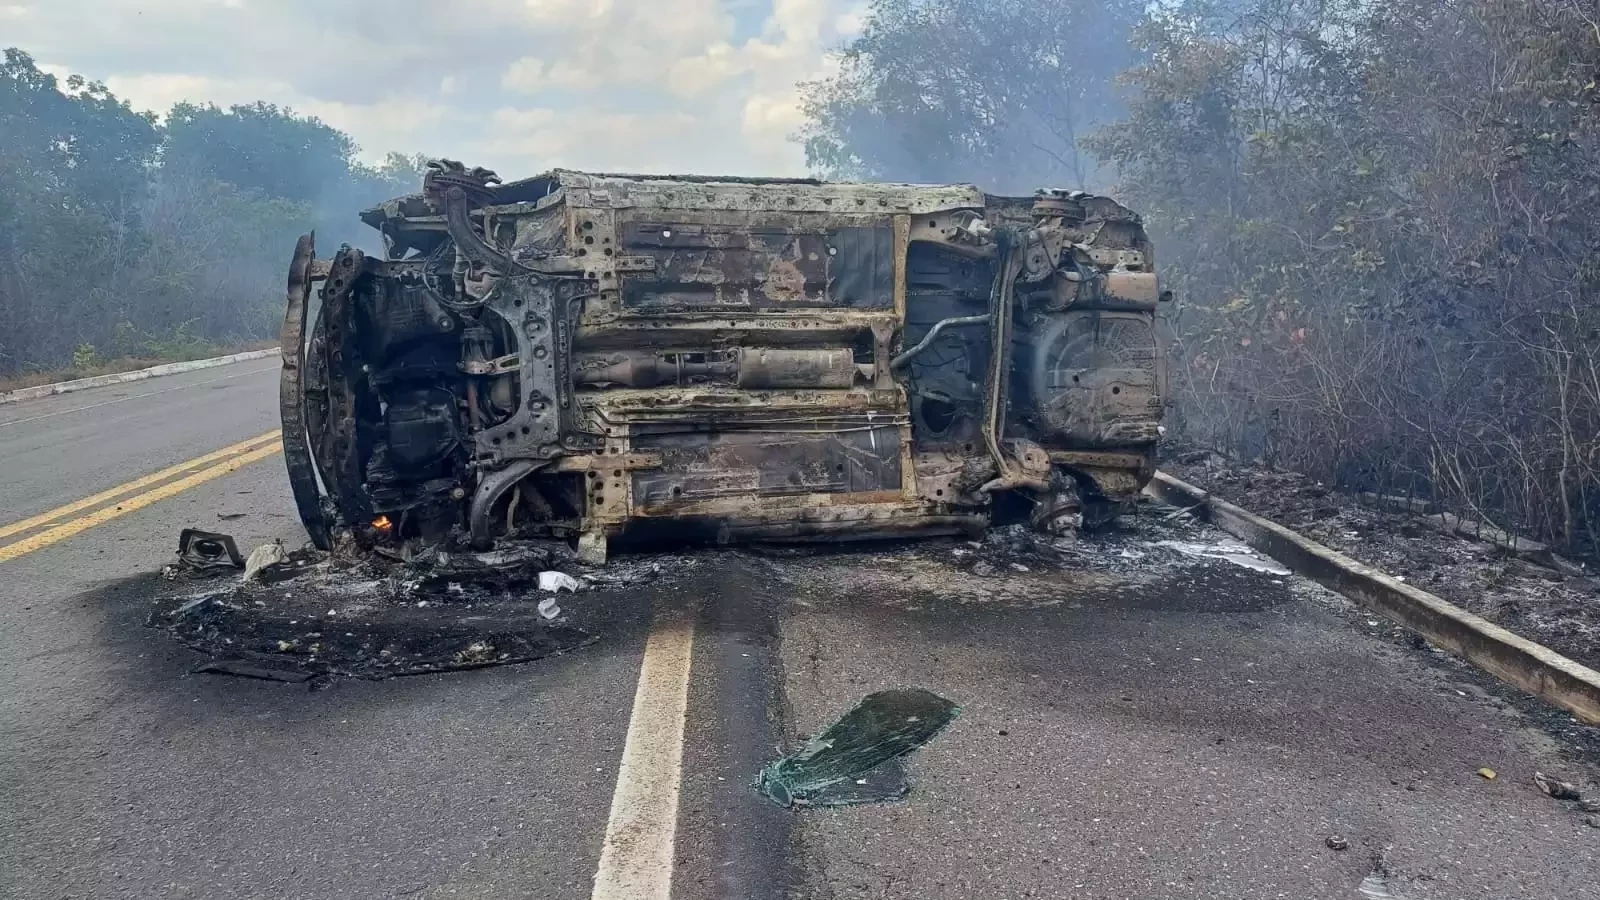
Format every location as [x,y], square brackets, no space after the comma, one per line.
[636,859]
[137,396]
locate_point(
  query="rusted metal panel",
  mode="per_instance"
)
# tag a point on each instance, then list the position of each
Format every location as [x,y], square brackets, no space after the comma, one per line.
[756,265]
[619,192]
[902,244]
[1092,459]
[617,463]
[755,466]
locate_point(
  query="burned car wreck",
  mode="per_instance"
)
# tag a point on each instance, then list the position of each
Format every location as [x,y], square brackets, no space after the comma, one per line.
[599,357]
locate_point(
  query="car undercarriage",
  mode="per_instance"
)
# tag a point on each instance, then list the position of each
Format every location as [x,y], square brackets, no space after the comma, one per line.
[606,358]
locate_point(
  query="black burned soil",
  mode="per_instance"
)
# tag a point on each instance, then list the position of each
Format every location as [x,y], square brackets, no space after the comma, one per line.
[314,617]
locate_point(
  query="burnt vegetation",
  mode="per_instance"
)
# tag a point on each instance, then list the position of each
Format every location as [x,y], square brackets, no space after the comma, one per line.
[1376,217]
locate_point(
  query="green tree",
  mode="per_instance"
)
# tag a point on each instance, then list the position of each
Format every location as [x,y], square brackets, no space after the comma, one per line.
[260,147]
[73,167]
[121,236]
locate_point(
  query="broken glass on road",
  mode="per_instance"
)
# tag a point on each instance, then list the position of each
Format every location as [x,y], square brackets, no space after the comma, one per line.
[857,759]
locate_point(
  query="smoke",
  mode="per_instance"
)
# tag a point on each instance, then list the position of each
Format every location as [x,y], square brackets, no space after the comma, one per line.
[997,93]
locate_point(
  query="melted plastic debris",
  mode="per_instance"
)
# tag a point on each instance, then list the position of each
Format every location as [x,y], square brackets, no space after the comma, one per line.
[260,558]
[376,644]
[1555,788]
[1229,551]
[556,582]
[314,615]
[204,554]
[857,759]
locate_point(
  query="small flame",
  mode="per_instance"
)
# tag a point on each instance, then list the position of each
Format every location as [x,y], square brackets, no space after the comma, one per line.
[382,523]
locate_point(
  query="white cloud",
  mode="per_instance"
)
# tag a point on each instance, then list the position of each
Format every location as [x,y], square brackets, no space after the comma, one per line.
[526,75]
[851,22]
[61,73]
[633,44]
[407,124]
[512,120]
[393,122]
[691,76]
[159,91]
[561,12]
[646,85]
[529,141]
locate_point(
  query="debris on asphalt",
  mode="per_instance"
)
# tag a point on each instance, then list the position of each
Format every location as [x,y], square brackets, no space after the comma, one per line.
[342,614]
[1335,842]
[1183,511]
[556,582]
[1487,774]
[625,572]
[1592,821]
[309,614]
[204,554]
[1229,551]
[512,568]
[1555,788]
[239,669]
[229,517]
[857,758]
[1119,558]
[381,642]
[262,557]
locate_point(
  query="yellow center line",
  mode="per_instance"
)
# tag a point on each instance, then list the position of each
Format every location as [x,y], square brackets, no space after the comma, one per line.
[49,518]
[133,504]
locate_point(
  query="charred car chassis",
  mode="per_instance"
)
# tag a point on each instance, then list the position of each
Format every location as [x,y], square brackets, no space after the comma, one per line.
[612,356]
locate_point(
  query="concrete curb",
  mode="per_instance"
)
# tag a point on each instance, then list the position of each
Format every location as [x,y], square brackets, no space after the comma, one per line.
[1515,660]
[67,387]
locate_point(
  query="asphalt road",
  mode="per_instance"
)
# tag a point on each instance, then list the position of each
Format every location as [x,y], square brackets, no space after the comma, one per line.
[1141,723]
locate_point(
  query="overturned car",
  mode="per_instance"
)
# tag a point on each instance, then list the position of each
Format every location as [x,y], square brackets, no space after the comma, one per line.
[613,357]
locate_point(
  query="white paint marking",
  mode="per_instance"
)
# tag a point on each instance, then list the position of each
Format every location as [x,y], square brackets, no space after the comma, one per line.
[138,396]
[636,859]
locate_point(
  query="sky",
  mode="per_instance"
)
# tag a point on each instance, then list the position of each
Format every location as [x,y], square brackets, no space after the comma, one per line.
[519,86]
